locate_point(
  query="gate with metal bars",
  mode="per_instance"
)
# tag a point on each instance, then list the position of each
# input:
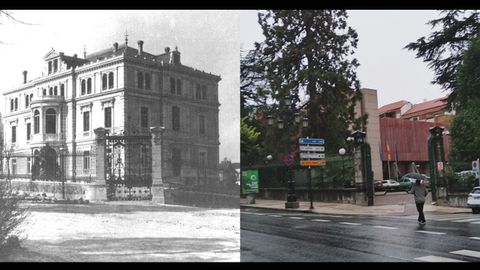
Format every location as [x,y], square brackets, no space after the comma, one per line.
[128,167]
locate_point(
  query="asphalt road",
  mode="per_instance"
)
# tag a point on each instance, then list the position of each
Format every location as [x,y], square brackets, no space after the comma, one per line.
[282,236]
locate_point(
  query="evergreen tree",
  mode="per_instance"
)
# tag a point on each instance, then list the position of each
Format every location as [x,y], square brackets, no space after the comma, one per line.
[250,149]
[307,54]
[443,49]
[466,124]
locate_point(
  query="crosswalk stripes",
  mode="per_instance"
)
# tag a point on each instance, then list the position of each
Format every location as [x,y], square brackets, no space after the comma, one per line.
[465,253]
[466,220]
[432,258]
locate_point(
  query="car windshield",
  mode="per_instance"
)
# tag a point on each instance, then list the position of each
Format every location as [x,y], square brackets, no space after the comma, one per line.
[476,191]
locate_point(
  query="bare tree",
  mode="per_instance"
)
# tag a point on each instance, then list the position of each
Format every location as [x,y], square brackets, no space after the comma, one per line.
[9,16]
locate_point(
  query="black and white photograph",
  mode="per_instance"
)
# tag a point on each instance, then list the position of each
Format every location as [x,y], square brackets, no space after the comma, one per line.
[120,136]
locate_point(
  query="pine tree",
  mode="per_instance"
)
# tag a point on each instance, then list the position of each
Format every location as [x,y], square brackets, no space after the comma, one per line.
[466,124]
[307,54]
[444,48]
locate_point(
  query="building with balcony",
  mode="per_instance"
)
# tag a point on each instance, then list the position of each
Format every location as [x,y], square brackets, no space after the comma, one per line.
[124,90]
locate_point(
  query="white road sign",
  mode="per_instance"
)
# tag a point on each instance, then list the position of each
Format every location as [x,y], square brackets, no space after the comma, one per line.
[312,148]
[312,155]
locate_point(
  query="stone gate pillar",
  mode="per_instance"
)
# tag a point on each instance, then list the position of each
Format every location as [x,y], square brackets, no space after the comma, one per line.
[364,194]
[97,191]
[158,191]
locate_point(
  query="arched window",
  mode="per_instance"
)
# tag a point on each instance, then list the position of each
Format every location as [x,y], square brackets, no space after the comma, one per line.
[104,81]
[44,91]
[55,91]
[50,121]
[62,90]
[50,91]
[36,122]
[179,87]
[139,80]
[26,101]
[110,80]
[89,85]
[147,81]
[12,105]
[31,98]
[16,104]
[83,87]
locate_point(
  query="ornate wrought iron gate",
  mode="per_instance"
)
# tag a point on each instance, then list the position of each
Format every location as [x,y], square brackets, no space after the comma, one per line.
[128,167]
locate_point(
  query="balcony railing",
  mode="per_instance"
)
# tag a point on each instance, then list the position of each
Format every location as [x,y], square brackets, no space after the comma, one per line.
[48,99]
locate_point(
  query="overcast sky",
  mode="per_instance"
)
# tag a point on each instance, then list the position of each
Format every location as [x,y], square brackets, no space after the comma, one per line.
[384,65]
[207,40]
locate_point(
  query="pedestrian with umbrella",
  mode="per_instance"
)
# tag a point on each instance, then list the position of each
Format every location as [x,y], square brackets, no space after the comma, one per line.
[420,193]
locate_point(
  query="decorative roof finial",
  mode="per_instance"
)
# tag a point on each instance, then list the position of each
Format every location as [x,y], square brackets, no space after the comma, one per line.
[126,38]
[84,51]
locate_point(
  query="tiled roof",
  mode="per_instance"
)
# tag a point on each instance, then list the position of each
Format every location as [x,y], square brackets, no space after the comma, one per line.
[392,107]
[432,105]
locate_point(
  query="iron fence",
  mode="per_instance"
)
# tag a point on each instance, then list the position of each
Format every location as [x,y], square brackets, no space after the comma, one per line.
[337,173]
[70,167]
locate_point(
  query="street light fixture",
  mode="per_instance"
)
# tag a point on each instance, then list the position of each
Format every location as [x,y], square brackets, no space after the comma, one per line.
[289,116]
[62,154]
[342,152]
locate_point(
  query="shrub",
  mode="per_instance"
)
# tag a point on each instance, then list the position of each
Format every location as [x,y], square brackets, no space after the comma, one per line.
[11,216]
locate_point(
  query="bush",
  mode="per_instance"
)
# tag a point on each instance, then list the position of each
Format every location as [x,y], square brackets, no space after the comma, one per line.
[11,216]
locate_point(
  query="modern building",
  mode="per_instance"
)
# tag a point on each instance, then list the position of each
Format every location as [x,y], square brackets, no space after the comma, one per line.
[404,129]
[369,105]
[124,90]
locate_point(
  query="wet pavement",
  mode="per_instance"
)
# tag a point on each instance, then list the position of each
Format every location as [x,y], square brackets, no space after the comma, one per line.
[285,236]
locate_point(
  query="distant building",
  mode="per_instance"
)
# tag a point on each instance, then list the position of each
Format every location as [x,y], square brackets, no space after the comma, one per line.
[404,129]
[369,105]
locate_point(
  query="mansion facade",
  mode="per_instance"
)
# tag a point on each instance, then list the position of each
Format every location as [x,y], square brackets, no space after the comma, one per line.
[124,90]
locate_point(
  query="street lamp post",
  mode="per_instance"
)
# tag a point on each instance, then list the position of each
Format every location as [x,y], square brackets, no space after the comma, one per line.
[8,154]
[289,115]
[342,152]
[62,153]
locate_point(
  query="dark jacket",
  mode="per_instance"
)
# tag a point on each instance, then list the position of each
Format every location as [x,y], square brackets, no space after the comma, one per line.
[420,192]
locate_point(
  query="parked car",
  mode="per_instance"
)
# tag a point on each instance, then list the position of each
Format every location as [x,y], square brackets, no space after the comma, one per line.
[466,174]
[473,200]
[390,185]
[377,185]
[406,183]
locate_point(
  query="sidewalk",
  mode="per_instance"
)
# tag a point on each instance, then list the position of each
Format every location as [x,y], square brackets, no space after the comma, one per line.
[352,209]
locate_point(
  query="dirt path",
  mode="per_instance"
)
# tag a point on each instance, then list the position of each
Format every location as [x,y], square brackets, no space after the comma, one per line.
[130,232]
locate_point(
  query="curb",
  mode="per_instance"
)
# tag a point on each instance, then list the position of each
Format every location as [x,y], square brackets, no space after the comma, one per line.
[356,214]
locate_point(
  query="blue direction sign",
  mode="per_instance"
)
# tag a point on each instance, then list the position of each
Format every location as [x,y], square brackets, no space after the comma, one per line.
[311,141]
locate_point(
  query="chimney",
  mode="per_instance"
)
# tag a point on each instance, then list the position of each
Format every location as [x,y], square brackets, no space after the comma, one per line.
[24,76]
[167,49]
[176,56]
[115,47]
[140,47]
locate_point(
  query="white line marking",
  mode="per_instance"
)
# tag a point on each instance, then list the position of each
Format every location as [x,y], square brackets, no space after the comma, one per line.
[350,223]
[386,227]
[430,232]
[475,238]
[476,222]
[436,259]
[296,217]
[321,220]
[466,252]
[274,216]
[467,220]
